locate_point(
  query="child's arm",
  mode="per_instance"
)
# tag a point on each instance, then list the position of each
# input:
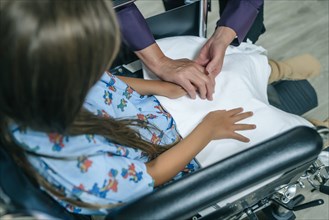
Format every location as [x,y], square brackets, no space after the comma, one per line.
[216,125]
[154,87]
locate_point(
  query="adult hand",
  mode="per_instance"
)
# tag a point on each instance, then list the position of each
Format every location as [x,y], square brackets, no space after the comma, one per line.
[189,75]
[184,72]
[211,55]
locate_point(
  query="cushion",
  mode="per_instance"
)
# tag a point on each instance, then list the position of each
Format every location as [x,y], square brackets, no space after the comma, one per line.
[242,82]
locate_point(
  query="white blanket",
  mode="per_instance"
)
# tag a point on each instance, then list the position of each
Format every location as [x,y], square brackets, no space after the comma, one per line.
[241,83]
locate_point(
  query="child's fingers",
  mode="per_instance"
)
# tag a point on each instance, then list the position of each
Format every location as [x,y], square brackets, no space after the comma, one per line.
[242,116]
[240,137]
[235,111]
[242,127]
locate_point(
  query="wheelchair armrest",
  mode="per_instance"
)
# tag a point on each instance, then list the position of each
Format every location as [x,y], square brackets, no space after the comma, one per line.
[187,196]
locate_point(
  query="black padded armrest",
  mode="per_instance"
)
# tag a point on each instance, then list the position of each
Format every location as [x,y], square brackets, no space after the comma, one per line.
[191,194]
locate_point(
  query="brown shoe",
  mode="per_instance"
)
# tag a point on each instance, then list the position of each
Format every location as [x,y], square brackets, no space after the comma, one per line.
[319,123]
[296,68]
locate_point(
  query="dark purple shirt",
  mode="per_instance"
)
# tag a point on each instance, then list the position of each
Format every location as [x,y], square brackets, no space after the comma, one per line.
[238,15]
[134,29]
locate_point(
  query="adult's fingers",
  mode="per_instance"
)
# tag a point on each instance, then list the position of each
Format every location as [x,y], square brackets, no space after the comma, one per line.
[200,68]
[203,57]
[215,64]
[200,82]
[210,87]
[192,77]
[189,88]
[209,83]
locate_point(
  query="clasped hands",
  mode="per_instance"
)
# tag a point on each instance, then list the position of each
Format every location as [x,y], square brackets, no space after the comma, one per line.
[198,76]
[190,76]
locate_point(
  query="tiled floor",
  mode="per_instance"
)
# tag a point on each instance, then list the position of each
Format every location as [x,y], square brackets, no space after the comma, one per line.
[293,27]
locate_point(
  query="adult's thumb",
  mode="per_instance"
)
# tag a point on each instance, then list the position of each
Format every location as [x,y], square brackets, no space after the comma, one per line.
[214,66]
[201,60]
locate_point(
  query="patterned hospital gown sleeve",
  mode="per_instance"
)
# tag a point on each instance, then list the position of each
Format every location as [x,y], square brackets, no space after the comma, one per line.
[94,169]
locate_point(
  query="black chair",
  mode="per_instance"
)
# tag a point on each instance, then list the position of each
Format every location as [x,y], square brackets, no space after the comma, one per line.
[258,178]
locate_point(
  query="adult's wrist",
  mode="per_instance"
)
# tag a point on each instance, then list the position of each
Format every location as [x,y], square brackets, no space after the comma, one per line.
[161,68]
[153,58]
[224,35]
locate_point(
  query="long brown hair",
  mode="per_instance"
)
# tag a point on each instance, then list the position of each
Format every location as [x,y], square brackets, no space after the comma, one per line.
[52,52]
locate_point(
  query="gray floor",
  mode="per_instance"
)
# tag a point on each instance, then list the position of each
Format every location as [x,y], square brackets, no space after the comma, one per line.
[293,27]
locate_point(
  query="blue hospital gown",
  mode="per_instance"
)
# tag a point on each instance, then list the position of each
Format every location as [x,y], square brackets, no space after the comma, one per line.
[96,170]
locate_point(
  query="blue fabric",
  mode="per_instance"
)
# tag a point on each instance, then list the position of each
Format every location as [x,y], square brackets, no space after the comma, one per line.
[96,170]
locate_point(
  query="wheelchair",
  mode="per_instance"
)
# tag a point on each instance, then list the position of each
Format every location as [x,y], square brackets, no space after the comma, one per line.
[235,188]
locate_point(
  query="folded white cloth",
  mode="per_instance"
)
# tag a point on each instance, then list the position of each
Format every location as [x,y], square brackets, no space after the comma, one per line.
[241,83]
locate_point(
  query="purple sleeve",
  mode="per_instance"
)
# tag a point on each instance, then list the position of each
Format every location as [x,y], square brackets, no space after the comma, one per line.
[240,15]
[134,29]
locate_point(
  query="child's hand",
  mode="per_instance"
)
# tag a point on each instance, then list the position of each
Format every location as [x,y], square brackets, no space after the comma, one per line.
[172,90]
[222,124]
